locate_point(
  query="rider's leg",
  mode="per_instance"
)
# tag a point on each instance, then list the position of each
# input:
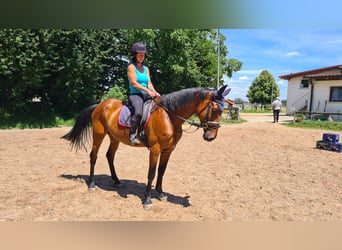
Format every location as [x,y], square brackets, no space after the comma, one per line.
[137,103]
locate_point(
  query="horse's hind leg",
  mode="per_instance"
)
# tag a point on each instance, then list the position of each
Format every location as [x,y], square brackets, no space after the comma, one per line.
[114,144]
[98,135]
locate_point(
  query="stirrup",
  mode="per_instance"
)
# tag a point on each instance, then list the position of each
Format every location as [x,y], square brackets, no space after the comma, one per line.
[133,139]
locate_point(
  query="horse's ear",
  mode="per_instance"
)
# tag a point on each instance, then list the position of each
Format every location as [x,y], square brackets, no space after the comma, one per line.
[222,92]
[226,92]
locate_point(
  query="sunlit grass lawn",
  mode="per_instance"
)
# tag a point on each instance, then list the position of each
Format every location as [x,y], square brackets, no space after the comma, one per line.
[325,125]
[32,121]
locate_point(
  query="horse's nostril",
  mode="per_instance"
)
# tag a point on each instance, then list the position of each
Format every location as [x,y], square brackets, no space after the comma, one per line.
[209,137]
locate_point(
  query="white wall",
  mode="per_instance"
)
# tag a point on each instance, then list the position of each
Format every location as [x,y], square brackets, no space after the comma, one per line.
[321,97]
[297,97]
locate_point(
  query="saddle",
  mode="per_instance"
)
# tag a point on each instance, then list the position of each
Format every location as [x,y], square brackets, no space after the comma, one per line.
[125,114]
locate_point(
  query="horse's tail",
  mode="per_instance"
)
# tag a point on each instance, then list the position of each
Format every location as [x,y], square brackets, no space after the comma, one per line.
[79,134]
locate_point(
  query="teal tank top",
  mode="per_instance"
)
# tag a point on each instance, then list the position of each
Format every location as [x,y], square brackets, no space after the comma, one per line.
[142,79]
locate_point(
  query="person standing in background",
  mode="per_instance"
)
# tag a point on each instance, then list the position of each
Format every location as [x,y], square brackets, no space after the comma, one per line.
[276,107]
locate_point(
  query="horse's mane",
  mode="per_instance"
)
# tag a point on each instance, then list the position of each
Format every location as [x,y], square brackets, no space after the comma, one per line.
[180,98]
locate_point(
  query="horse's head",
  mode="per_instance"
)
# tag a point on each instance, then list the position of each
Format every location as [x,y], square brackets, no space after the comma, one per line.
[210,112]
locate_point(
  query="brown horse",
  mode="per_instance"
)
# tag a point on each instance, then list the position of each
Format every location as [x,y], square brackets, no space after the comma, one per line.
[163,131]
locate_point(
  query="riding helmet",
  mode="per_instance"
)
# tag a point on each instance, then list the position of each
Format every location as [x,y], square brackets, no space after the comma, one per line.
[138,48]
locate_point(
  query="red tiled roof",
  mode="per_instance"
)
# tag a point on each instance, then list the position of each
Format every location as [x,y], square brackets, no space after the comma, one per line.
[325,76]
[310,72]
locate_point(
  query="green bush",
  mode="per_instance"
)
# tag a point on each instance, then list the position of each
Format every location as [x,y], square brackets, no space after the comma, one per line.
[299,117]
[116,92]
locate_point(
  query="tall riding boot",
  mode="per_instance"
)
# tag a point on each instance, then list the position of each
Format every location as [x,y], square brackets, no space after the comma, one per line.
[133,132]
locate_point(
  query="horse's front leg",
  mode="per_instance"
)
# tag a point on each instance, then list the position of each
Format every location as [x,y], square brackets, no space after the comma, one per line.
[154,154]
[164,159]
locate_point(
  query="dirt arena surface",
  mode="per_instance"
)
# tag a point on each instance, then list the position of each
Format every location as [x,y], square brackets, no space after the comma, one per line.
[255,171]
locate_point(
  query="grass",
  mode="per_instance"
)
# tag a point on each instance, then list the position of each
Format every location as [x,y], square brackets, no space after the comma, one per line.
[253,111]
[230,121]
[316,124]
[325,125]
[222,122]
[29,121]
[256,111]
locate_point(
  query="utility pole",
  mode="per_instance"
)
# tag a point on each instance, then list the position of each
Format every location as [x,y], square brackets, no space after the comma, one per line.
[218,58]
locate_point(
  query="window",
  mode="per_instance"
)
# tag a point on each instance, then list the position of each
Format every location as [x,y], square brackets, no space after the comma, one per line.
[304,83]
[335,94]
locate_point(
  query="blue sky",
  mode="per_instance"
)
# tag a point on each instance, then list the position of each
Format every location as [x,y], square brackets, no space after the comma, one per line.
[281,52]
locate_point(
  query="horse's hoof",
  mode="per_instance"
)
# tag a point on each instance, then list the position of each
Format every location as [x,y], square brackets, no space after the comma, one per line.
[162,197]
[147,203]
[147,206]
[92,187]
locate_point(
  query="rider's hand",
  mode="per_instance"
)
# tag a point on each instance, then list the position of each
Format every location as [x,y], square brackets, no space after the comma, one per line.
[150,93]
[153,93]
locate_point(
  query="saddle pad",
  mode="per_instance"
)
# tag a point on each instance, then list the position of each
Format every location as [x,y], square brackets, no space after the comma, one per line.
[125,115]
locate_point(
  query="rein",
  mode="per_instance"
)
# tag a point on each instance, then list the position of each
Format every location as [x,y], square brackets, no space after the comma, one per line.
[205,124]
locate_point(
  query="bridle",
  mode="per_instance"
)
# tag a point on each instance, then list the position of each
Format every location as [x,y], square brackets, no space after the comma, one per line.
[206,124]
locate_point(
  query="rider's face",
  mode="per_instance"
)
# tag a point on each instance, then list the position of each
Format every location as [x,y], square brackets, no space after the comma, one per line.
[140,57]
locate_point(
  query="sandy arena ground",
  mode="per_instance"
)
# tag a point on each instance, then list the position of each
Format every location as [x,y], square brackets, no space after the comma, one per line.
[256,171]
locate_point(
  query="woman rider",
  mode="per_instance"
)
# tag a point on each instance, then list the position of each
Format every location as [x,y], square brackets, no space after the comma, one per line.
[140,87]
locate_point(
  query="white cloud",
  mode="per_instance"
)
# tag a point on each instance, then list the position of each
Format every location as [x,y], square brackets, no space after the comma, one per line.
[243,78]
[250,72]
[293,53]
[282,82]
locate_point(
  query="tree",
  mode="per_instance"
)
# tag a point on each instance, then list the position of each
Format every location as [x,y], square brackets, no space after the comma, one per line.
[263,89]
[183,58]
[232,66]
[79,63]
[238,101]
[68,69]
[65,69]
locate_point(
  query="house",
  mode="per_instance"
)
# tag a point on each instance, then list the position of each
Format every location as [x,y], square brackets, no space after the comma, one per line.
[315,91]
